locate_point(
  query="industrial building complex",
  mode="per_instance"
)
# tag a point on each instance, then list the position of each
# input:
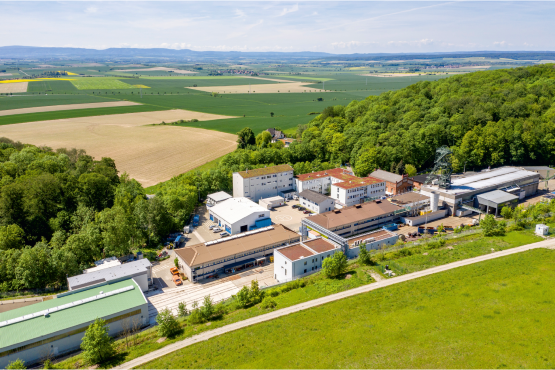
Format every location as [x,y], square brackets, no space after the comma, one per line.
[238,215]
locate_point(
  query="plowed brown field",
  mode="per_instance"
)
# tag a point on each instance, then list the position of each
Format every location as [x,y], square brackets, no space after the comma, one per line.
[150,154]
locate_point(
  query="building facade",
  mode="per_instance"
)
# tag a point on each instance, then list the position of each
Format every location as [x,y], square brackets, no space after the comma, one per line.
[229,255]
[301,259]
[374,240]
[316,202]
[263,182]
[348,193]
[239,215]
[215,198]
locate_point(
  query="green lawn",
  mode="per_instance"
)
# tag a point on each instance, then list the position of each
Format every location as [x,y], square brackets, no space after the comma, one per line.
[495,314]
[46,116]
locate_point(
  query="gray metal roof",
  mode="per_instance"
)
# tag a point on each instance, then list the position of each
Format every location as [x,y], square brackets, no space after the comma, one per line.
[538,168]
[387,176]
[497,196]
[126,270]
[313,196]
[219,196]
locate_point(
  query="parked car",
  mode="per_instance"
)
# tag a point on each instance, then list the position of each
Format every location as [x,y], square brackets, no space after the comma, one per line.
[225,233]
[295,206]
[216,230]
[212,226]
[301,208]
[306,212]
[174,271]
[163,254]
[177,280]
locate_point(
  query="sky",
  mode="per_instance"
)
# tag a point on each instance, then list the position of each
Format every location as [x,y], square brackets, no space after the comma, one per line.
[326,26]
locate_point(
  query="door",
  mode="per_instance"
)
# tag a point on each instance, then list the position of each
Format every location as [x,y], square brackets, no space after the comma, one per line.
[244,228]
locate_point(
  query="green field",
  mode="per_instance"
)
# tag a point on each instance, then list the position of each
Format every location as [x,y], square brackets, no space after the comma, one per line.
[99,83]
[495,314]
[46,116]
[16,102]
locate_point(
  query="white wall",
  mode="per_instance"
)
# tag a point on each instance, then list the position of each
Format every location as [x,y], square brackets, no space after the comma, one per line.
[353,196]
[264,186]
[355,251]
[325,206]
[249,221]
[287,270]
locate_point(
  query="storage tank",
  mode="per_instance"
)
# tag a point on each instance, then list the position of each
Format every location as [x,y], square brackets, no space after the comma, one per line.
[434,201]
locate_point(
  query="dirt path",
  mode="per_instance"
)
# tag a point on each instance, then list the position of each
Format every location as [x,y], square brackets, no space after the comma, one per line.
[376,276]
[54,108]
[549,243]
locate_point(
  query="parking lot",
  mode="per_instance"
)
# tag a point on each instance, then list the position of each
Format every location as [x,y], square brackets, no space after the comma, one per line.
[288,216]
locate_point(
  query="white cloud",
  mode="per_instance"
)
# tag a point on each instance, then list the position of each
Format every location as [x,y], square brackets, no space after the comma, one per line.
[345,45]
[292,9]
[91,10]
[239,13]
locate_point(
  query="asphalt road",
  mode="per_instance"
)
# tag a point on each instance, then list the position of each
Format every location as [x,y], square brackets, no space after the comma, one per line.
[549,243]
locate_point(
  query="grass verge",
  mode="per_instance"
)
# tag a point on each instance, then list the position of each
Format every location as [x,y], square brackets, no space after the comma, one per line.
[494,314]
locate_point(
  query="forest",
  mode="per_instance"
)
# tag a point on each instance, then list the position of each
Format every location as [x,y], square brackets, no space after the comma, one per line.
[62,210]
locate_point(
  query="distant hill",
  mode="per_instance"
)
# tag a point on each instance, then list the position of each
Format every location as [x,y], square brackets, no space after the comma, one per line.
[129,53]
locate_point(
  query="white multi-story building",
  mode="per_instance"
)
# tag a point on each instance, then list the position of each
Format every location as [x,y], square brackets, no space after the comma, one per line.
[321,181]
[264,182]
[348,193]
[239,215]
[301,259]
[316,202]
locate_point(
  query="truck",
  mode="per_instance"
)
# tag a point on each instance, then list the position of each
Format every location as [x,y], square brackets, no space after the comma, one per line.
[196,220]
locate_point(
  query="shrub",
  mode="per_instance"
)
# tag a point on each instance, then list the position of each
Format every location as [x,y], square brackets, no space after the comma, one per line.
[195,317]
[268,303]
[167,324]
[96,344]
[176,262]
[335,266]
[364,256]
[242,297]
[181,309]
[17,364]
[492,227]
[255,294]
[48,364]
[274,293]
[207,309]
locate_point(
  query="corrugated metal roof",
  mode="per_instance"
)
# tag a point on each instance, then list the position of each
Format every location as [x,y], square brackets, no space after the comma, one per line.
[313,196]
[497,196]
[351,214]
[219,196]
[265,171]
[108,274]
[387,176]
[23,331]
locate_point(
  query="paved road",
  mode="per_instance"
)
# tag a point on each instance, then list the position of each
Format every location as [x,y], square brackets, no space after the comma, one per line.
[549,243]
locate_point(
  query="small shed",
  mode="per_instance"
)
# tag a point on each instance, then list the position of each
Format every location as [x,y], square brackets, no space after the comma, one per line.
[271,202]
[215,198]
[542,229]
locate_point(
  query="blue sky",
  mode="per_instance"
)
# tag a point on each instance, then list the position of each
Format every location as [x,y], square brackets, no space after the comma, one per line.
[329,26]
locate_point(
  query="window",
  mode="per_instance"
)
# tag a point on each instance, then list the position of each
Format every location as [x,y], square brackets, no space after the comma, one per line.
[259,216]
[305,271]
[305,264]
[285,271]
[286,262]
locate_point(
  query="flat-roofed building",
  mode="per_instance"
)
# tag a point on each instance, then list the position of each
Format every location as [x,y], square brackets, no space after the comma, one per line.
[235,253]
[301,259]
[215,198]
[464,189]
[264,182]
[359,218]
[103,264]
[316,202]
[238,215]
[372,240]
[56,326]
[321,181]
[139,270]
[413,200]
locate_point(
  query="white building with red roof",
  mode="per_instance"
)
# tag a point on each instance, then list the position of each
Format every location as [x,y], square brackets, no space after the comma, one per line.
[341,185]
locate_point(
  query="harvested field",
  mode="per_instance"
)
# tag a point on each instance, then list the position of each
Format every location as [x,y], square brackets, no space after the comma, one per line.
[150,154]
[53,108]
[164,69]
[16,87]
[5,74]
[292,87]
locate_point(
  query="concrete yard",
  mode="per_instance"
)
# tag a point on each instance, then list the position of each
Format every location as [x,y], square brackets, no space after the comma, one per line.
[288,216]
[218,289]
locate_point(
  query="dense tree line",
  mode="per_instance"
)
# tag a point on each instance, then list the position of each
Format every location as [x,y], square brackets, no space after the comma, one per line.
[61,210]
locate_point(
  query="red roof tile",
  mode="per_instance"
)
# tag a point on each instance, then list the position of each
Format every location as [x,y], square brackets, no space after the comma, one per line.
[335,172]
[350,184]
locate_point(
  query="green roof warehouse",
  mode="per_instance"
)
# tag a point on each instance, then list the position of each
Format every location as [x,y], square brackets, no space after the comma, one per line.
[56,326]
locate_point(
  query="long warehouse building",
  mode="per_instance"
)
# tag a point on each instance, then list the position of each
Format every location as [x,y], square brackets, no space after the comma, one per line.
[51,328]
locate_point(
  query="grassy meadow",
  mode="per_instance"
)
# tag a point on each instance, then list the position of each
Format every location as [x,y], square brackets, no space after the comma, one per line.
[495,314]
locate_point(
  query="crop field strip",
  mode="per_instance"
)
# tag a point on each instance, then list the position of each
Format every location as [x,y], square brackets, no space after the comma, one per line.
[150,154]
[18,102]
[55,108]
